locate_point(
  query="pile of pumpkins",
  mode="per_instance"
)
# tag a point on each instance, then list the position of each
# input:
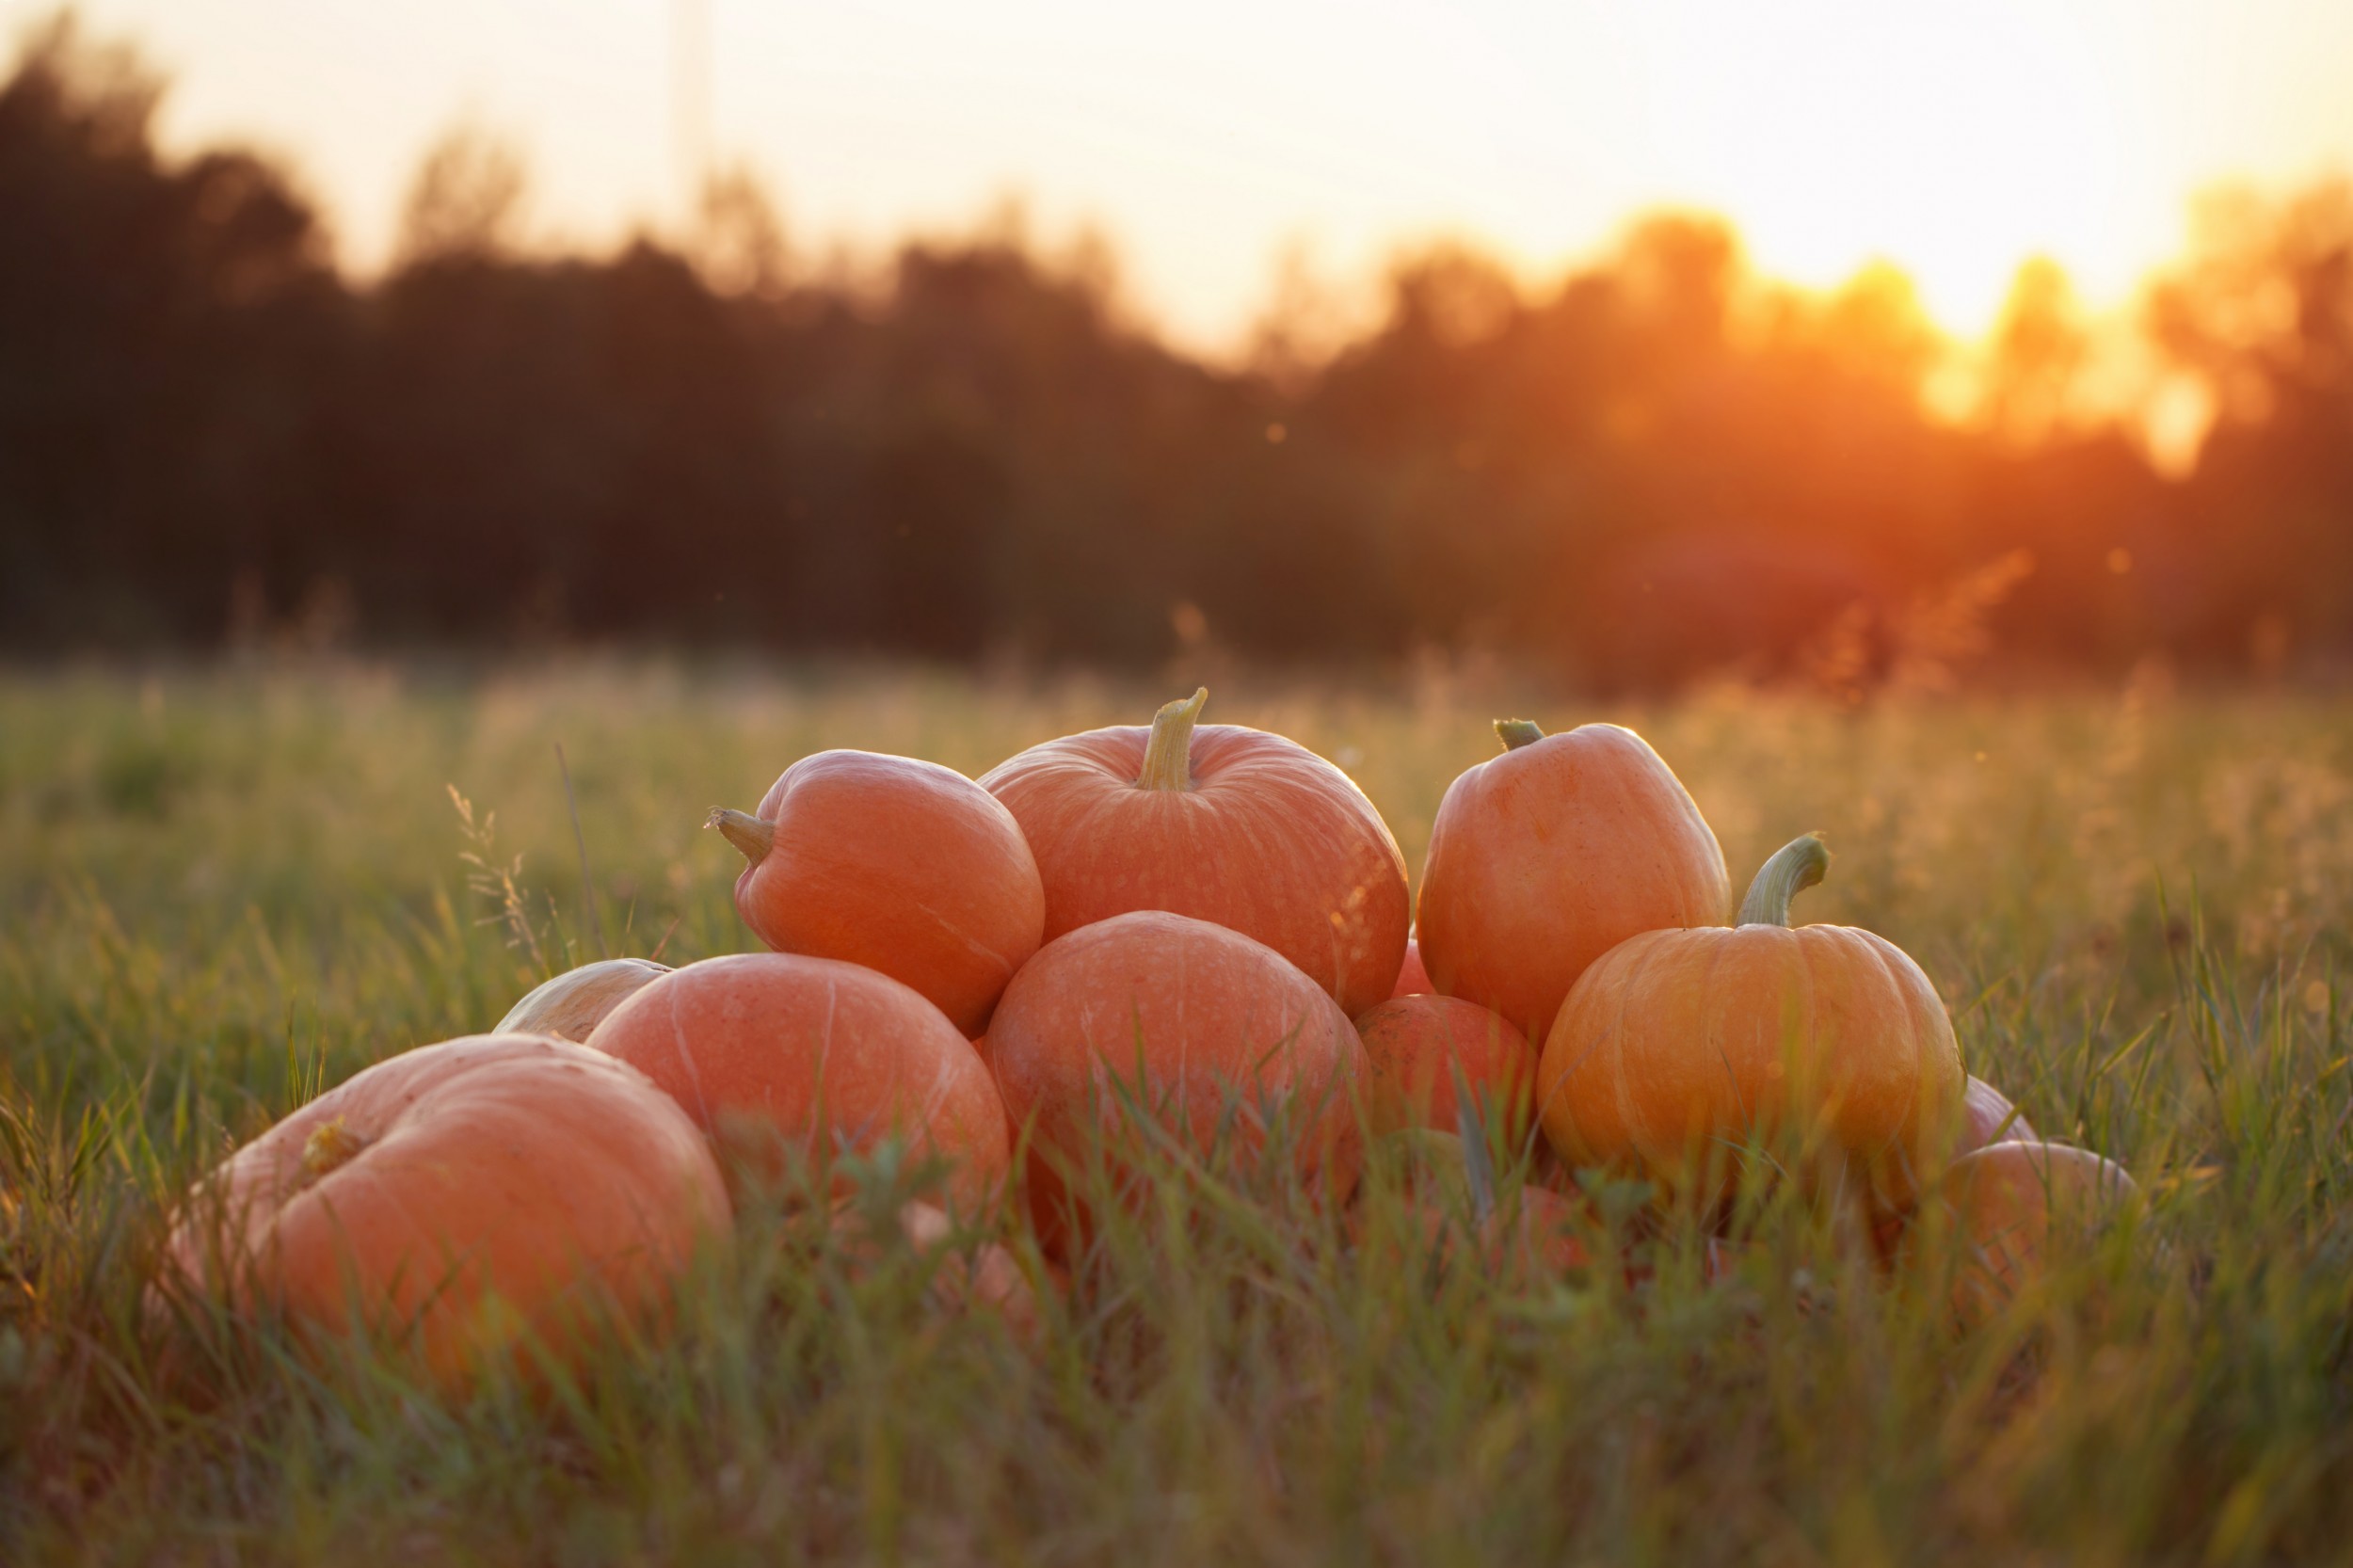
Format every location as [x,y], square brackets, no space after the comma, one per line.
[1205,929]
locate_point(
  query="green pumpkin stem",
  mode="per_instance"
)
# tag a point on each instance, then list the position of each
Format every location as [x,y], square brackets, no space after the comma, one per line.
[748,833]
[1515,733]
[1795,867]
[1168,755]
[330,1146]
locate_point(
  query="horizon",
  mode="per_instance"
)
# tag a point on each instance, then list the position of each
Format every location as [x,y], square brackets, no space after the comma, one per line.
[1999,133]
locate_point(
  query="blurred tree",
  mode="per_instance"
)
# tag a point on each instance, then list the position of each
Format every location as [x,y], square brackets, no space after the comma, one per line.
[2039,344]
[160,331]
[1652,466]
[2262,311]
[740,245]
[465,200]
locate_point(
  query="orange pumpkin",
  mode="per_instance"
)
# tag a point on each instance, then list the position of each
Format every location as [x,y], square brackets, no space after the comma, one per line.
[1677,1046]
[901,865]
[774,1054]
[1247,829]
[573,1005]
[1545,857]
[2016,1210]
[1197,1025]
[1413,980]
[461,1196]
[1418,1046]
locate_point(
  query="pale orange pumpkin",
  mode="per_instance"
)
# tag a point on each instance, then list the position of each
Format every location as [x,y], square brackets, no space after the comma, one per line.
[462,1197]
[779,1056]
[2016,1210]
[1677,1047]
[1420,1047]
[571,1004]
[1248,830]
[901,865]
[1545,857]
[1197,1026]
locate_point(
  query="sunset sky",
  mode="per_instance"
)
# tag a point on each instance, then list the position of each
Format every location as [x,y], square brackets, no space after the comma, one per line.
[1206,138]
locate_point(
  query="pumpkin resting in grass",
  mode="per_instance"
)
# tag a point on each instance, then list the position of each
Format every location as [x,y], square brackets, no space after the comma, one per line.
[776,1055]
[1418,1047]
[2017,1209]
[1678,1047]
[901,865]
[573,1005]
[458,1196]
[1248,830]
[1545,857]
[1192,1023]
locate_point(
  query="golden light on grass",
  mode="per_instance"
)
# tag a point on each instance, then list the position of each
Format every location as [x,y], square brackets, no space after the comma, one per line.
[2134,902]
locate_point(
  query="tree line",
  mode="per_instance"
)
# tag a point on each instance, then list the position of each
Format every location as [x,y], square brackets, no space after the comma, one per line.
[1652,466]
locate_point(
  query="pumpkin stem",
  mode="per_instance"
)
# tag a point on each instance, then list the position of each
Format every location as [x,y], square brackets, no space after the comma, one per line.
[1795,867]
[748,833]
[331,1144]
[1515,733]
[1167,755]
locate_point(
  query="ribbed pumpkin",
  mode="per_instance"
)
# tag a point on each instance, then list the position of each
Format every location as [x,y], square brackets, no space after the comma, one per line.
[460,1196]
[1248,830]
[1678,1045]
[571,1004]
[899,864]
[1416,1049]
[2016,1210]
[1545,857]
[775,1054]
[1191,1022]
[1413,980]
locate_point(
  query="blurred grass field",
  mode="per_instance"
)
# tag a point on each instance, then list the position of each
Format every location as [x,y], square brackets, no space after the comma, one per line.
[221,888]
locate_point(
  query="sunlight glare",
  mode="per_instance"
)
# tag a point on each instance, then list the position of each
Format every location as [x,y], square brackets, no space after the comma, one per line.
[1955,141]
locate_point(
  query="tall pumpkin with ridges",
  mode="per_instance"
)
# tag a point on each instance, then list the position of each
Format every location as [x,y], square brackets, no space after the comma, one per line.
[1246,829]
[1677,1047]
[1545,857]
[899,864]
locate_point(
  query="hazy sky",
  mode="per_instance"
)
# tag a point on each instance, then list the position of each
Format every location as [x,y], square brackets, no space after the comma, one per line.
[1206,137]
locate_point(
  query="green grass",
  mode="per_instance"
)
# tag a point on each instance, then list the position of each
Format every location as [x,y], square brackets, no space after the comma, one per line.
[222,890]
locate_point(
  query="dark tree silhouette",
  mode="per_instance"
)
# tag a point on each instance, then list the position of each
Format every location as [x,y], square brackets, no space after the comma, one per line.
[1657,465]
